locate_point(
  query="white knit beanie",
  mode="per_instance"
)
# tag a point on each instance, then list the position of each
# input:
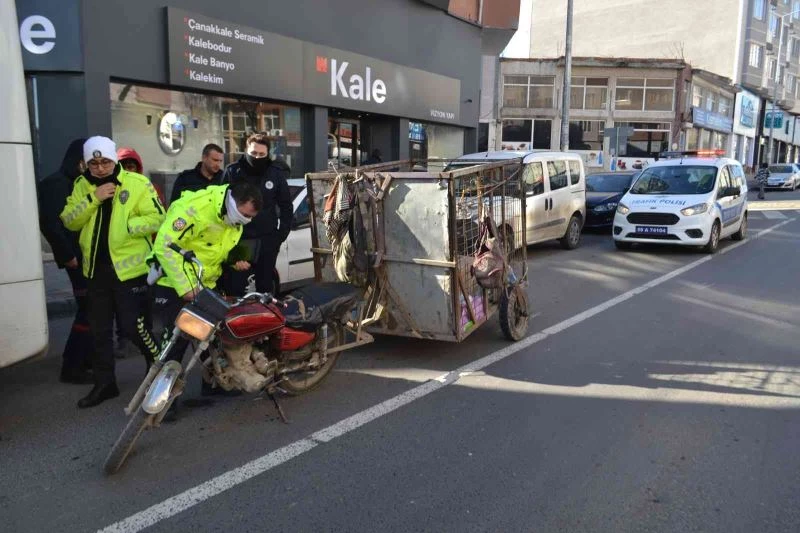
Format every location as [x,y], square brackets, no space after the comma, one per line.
[99,148]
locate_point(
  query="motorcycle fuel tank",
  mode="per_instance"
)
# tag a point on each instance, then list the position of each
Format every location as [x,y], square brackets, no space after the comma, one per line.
[252,321]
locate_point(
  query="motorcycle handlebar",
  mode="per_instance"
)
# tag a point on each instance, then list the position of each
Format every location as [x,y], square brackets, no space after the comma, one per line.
[187,255]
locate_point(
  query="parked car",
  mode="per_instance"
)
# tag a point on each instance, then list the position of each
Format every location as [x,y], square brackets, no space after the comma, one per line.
[295,264]
[691,201]
[784,176]
[603,192]
[555,185]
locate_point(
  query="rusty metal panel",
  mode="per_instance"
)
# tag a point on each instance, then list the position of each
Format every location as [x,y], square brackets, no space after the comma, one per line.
[415,213]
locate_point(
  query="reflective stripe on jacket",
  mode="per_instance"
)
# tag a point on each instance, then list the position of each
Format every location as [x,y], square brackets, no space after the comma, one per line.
[136,214]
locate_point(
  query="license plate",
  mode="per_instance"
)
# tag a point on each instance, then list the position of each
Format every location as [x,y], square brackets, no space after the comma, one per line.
[651,230]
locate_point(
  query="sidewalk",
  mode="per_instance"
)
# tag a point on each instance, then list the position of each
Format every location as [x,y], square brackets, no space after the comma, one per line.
[58,290]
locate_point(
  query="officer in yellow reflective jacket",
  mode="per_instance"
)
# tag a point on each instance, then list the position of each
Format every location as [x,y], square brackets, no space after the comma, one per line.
[116,212]
[208,222]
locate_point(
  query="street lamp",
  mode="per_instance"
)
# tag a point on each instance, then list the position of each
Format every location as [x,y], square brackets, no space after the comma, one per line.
[778,79]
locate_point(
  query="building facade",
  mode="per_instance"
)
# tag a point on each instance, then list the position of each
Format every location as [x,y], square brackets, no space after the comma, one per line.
[328,82]
[748,45]
[643,94]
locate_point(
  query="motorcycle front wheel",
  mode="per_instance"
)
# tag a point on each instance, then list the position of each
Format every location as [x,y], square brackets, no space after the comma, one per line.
[298,383]
[119,452]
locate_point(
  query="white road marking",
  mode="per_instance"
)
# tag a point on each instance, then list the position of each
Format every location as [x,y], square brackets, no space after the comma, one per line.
[196,495]
[774,215]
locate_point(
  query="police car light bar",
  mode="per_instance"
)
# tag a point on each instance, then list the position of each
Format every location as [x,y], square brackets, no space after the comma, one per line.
[693,153]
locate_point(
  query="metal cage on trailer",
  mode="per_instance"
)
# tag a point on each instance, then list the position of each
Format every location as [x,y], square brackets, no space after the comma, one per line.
[426,232]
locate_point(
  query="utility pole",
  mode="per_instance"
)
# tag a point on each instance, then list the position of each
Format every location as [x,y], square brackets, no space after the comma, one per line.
[567,88]
[775,91]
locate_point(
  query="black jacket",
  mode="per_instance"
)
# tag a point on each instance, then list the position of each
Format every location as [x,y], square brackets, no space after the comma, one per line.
[192,180]
[277,200]
[53,192]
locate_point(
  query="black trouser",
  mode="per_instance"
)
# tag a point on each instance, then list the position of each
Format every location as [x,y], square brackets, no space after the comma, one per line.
[78,350]
[167,306]
[263,267]
[107,294]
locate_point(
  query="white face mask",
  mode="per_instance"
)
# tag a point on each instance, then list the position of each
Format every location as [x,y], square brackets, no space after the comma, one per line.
[233,216]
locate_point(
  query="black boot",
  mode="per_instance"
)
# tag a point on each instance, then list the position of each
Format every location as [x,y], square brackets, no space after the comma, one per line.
[98,395]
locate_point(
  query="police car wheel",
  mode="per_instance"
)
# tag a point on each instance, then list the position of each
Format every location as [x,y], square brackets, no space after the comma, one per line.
[713,239]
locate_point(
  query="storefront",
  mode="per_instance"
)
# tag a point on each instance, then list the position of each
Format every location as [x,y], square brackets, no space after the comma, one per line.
[745,130]
[710,106]
[325,86]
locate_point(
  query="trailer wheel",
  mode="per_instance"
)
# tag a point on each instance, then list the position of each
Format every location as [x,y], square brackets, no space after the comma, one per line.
[513,315]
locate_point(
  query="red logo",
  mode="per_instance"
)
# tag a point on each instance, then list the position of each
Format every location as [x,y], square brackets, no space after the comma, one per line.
[322,64]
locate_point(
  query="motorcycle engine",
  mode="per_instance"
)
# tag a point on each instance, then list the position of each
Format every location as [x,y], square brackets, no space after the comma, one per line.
[245,368]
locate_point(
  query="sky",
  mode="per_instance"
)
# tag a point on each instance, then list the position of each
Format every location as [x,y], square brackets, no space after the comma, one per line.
[519,45]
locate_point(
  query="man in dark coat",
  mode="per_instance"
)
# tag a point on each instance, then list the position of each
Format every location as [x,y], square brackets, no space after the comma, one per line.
[53,192]
[207,172]
[262,238]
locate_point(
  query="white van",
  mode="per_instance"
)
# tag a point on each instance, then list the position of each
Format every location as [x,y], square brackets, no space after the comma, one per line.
[686,200]
[555,183]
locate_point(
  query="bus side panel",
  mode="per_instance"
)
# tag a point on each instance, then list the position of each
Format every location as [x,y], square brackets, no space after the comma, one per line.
[23,314]
[20,247]
[23,321]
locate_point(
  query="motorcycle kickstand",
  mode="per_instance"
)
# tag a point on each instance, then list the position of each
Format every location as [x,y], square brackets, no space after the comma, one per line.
[271,394]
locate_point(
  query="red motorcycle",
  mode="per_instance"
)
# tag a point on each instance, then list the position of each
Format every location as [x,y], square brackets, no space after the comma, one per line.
[254,344]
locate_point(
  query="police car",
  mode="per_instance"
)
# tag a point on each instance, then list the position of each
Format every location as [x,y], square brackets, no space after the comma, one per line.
[688,198]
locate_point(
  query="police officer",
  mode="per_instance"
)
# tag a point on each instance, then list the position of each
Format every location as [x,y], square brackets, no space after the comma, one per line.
[266,234]
[208,222]
[116,212]
[207,172]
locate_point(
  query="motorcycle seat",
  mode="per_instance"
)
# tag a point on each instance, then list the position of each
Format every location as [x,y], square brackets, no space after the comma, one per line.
[307,308]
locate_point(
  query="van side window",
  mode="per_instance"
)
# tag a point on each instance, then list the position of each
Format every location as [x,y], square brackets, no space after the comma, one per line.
[724,179]
[533,176]
[737,176]
[558,174]
[574,172]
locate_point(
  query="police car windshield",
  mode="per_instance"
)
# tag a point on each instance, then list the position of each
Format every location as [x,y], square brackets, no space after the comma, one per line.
[678,179]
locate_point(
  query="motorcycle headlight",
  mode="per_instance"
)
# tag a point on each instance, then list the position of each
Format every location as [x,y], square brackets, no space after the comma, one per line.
[694,210]
[603,208]
[623,209]
[194,325]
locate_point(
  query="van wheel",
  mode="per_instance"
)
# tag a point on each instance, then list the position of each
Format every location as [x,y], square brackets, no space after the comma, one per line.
[742,233]
[713,240]
[622,245]
[572,238]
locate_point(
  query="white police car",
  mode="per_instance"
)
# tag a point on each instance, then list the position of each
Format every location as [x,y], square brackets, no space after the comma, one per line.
[690,198]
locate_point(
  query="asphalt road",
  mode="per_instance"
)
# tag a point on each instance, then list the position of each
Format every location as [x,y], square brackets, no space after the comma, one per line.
[658,391]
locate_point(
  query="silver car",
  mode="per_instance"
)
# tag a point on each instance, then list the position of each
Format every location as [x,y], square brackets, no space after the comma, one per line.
[785,176]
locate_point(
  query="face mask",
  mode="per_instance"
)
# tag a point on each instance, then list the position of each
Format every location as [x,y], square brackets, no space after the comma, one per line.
[233,216]
[258,164]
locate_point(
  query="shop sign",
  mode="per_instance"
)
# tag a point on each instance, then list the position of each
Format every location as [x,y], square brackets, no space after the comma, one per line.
[712,121]
[207,53]
[778,119]
[745,116]
[50,35]
[748,113]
